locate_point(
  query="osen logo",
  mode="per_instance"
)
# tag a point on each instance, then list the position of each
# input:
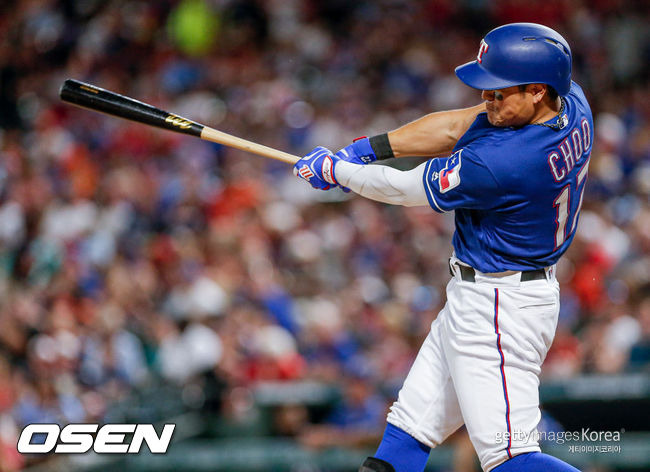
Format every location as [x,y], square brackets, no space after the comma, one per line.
[79,438]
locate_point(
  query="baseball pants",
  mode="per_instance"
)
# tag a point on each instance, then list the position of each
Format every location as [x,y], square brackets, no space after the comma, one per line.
[480,365]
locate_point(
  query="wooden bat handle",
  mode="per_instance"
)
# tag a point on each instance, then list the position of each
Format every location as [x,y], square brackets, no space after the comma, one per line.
[98,99]
[211,134]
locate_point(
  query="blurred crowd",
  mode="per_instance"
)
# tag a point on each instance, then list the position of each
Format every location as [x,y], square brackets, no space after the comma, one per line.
[129,254]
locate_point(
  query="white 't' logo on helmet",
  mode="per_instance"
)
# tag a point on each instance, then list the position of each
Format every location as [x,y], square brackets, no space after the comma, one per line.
[483,48]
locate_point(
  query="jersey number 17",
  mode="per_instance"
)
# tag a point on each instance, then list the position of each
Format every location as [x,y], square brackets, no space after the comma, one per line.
[562,206]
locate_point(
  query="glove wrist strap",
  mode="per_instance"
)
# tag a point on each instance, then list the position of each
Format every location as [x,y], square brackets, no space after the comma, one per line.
[381,146]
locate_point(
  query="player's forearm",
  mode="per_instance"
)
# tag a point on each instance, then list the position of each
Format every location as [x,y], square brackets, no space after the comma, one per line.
[434,134]
[383,183]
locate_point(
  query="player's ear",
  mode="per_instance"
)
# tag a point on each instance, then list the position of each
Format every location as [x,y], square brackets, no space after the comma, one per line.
[538,91]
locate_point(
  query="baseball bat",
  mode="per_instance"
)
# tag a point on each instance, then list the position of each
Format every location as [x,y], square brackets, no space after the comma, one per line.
[97,99]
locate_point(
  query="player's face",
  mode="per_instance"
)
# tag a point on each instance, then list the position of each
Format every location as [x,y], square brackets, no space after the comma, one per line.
[509,106]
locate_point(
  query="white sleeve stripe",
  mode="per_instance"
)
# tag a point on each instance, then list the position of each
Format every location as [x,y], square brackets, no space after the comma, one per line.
[429,191]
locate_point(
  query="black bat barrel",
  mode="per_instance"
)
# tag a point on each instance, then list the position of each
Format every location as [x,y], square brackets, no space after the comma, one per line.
[95,98]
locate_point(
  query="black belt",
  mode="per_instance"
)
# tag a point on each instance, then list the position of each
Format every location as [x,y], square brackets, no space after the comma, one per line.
[468,274]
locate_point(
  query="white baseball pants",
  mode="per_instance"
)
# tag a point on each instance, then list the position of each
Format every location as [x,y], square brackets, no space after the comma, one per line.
[480,366]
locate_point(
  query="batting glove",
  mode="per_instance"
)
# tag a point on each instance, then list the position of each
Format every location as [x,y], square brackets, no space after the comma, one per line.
[359,152]
[317,168]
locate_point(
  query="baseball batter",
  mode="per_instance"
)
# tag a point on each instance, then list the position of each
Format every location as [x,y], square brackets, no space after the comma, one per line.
[515,176]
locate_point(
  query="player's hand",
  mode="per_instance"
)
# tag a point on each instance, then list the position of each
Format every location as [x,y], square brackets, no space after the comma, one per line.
[317,168]
[359,152]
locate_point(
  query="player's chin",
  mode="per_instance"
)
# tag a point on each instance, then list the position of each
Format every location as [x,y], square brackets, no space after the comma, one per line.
[495,120]
[498,120]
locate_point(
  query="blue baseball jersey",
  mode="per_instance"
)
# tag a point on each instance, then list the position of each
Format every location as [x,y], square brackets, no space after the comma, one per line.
[516,192]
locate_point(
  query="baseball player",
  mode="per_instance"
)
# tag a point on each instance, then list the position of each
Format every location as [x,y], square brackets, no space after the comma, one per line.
[515,174]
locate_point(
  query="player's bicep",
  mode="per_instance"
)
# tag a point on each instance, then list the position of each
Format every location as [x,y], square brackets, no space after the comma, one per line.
[461,180]
[434,134]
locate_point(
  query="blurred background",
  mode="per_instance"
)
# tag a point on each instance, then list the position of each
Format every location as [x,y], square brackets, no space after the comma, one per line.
[151,277]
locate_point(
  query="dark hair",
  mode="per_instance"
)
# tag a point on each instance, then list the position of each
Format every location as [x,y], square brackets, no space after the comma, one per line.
[550,91]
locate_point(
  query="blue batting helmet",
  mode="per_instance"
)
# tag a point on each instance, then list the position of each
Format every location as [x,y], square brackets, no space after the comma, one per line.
[517,54]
